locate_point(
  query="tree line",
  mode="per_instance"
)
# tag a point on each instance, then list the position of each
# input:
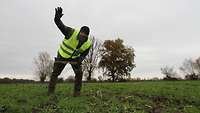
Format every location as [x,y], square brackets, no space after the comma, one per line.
[112,58]
[9,80]
[115,61]
[190,69]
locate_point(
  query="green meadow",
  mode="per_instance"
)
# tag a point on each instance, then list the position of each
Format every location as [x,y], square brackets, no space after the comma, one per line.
[130,97]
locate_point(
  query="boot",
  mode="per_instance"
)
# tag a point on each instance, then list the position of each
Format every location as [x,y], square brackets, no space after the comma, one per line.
[76,93]
[52,85]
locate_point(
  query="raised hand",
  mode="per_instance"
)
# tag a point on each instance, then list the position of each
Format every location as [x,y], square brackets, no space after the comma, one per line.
[58,12]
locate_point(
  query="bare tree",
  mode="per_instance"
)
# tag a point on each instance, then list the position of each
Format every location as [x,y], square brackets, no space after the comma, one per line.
[169,72]
[43,66]
[100,78]
[189,68]
[197,66]
[91,61]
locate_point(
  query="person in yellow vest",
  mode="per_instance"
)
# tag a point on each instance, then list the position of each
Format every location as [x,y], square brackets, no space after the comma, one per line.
[74,47]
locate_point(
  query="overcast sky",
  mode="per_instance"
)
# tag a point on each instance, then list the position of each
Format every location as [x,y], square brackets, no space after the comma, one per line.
[162,32]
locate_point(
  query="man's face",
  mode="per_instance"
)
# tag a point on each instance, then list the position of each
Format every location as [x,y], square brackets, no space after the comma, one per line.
[82,36]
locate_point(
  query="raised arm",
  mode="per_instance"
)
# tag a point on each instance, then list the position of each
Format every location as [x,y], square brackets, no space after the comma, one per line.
[67,31]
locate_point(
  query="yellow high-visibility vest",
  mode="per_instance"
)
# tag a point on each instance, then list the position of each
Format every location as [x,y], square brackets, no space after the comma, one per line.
[68,46]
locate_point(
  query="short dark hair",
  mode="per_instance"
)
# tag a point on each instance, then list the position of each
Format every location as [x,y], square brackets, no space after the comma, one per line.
[85,29]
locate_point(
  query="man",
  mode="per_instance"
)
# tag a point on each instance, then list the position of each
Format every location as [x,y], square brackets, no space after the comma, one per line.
[74,47]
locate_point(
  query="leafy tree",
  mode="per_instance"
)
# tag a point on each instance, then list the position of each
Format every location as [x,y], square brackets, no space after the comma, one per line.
[117,60]
[91,61]
[43,66]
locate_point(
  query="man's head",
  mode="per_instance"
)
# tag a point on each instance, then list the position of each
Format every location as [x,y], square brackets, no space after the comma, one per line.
[85,30]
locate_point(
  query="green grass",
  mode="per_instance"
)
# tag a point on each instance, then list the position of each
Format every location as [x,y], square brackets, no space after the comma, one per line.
[136,97]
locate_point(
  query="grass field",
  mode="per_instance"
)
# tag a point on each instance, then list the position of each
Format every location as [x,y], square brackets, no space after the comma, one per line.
[136,97]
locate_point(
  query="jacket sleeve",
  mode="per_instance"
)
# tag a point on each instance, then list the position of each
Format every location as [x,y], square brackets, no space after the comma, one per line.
[67,31]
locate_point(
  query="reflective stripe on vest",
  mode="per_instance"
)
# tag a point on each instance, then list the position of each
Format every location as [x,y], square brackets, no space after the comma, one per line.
[68,46]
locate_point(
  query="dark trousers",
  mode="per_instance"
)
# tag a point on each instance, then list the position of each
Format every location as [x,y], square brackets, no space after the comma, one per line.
[57,69]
